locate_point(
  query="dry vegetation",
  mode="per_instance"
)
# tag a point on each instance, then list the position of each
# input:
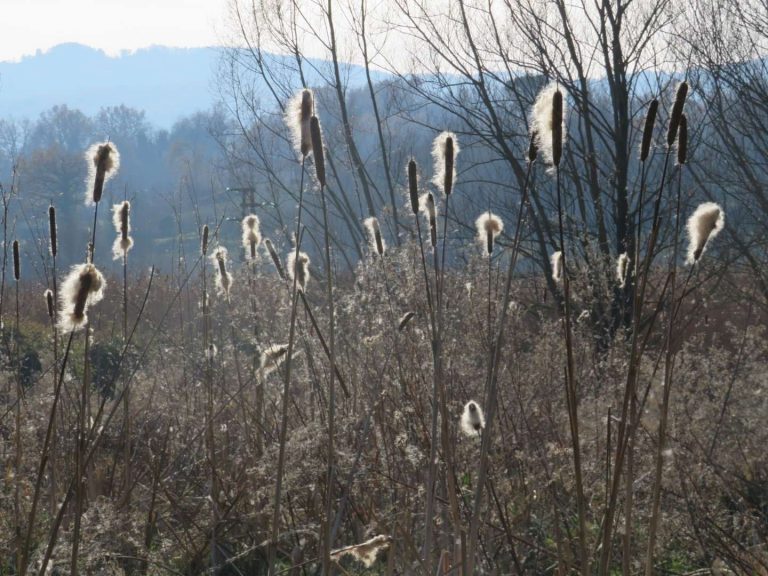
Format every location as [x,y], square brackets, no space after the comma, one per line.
[471,425]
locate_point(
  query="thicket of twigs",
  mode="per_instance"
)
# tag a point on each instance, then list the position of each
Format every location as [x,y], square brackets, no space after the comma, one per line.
[277,417]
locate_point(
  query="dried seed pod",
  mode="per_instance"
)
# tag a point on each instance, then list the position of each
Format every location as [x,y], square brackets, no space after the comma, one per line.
[52,231]
[413,185]
[103,163]
[16,261]
[317,149]
[682,140]
[204,242]
[533,148]
[677,112]
[49,303]
[650,122]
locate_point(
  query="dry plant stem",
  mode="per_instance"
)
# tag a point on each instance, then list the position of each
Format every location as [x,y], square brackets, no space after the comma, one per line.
[55,440]
[492,378]
[126,398]
[626,555]
[17,462]
[669,360]
[570,389]
[327,543]
[275,531]
[622,438]
[46,451]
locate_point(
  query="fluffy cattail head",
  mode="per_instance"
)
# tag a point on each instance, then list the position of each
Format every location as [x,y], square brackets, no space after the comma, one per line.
[103,163]
[548,122]
[52,231]
[677,112]
[297,115]
[16,261]
[682,141]
[444,152]
[427,202]
[488,227]
[404,320]
[211,352]
[704,224]
[556,261]
[251,236]
[83,286]
[650,122]
[472,419]
[121,219]
[204,241]
[413,185]
[317,149]
[533,147]
[365,552]
[272,357]
[622,269]
[298,269]
[49,304]
[275,258]
[223,276]
[374,235]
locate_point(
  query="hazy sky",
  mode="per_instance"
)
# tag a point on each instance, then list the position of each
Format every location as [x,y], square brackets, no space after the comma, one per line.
[112,25]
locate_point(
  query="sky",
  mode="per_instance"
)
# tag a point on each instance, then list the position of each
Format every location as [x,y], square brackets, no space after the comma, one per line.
[27,26]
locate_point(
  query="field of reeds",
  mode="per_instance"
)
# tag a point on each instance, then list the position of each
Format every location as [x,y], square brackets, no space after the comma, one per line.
[420,416]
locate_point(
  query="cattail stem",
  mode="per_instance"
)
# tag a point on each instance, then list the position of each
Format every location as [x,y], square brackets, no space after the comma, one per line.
[489,399]
[275,528]
[19,402]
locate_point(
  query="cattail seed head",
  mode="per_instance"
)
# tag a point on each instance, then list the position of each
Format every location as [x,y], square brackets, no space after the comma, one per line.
[275,258]
[251,236]
[444,151]
[556,261]
[677,112]
[472,419]
[374,235]
[317,149]
[548,121]
[49,302]
[488,227]
[211,352]
[650,122]
[365,552]
[404,320]
[272,357]
[705,223]
[427,202]
[413,185]
[533,147]
[297,115]
[103,163]
[121,220]
[204,241]
[83,286]
[298,269]
[622,269]
[52,231]
[223,276]
[682,140]
[16,261]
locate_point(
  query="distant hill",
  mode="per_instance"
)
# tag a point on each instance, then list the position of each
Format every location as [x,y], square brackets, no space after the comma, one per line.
[167,83]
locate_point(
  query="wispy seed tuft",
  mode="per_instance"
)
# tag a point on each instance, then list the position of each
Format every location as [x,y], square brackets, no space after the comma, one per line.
[103,163]
[705,223]
[472,419]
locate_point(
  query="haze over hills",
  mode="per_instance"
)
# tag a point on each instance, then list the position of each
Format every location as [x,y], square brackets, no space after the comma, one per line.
[167,83]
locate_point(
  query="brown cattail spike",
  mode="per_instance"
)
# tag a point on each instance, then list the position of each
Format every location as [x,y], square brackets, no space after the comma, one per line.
[317,149]
[52,230]
[650,122]
[557,127]
[413,185]
[533,148]
[16,261]
[677,113]
[49,303]
[432,216]
[682,141]
[204,243]
[449,160]
[81,298]
[275,258]
[104,162]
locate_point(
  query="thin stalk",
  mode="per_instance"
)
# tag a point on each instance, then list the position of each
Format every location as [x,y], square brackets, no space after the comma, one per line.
[669,361]
[632,376]
[18,457]
[492,379]
[570,385]
[327,543]
[275,531]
